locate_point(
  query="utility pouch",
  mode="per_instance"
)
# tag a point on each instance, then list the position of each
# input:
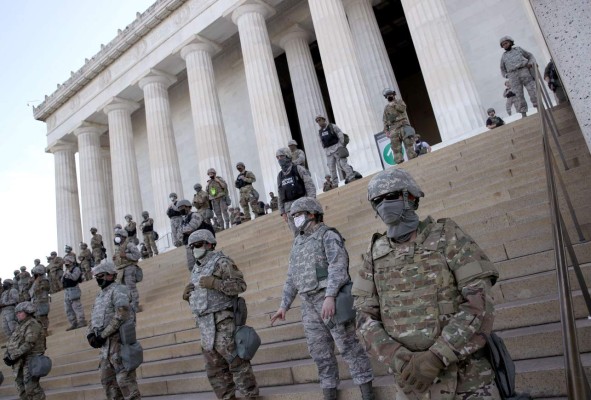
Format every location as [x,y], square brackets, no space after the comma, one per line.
[408,130]
[132,356]
[247,342]
[504,368]
[344,311]
[39,365]
[139,274]
[342,152]
[127,332]
[240,311]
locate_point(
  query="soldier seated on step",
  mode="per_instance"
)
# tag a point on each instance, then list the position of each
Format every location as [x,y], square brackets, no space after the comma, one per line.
[436,282]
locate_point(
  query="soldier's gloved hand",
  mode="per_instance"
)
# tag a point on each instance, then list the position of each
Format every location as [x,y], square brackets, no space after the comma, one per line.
[421,371]
[209,282]
[9,361]
[187,292]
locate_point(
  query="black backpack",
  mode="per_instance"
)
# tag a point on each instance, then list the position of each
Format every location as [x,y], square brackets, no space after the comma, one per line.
[504,368]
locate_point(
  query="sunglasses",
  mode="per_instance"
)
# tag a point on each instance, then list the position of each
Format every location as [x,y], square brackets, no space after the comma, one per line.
[99,276]
[197,245]
[388,196]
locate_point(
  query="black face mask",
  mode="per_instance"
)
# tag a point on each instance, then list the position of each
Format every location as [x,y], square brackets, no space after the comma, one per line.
[103,283]
[5,286]
[390,98]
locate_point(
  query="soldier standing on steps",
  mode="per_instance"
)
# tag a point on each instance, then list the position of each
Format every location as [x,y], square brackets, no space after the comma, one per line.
[131,229]
[147,227]
[516,66]
[215,282]
[244,182]
[217,189]
[125,258]
[55,265]
[40,296]
[423,298]
[397,127]
[72,293]
[96,244]
[175,219]
[8,301]
[318,269]
[86,261]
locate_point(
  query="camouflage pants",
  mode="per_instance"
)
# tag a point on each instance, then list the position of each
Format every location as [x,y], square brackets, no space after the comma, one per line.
[224,371]
[150,243]
[28,387]
[97,255]
[74,310]
[520,78]
[118,383]
[175,226]
[247,204]
[321,341]
[55,280]
[511,102]
[128,279]
[220,208]
[8,320]
[205,213]
[396,141]
[86,270]
[333,161]
[44,321]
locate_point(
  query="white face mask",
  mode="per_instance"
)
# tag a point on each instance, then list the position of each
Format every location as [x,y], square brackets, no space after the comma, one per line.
[199,253]
[117,240]
[299,221]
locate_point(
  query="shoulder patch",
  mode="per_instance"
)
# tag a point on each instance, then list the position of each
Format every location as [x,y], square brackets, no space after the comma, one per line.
[380,246]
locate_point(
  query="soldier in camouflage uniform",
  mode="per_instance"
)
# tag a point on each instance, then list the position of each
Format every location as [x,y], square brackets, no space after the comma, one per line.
[68,251]
[96,244]
[86,261]
[72,293]
[397,127]
[125,258]
[27,340]
[298,157]
[516,66]
[8,301]
[217,189]
[215,283]
[333,140]
[201,202]
[147,227]
[131,229]
[192,221]
[24,283]
[111,309]
[244,182]
[327,184]
[423,298]
[39,293]
[55,265]
[318,269]
[274,202]
[175,219]
[293,182]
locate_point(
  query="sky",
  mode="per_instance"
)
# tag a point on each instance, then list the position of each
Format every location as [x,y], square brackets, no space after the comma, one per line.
[42,41]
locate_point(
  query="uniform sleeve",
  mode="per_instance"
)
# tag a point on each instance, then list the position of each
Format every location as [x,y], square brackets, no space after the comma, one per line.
[32,335]
[338,262]
[385,120]
[223,183]
[289,291]
[249,177]
[301,157]
[14,298]
[121,302]
[475,274]
[503,68]
[308,182]
[132,252]
[280,201]
[339,134]
[400,105]
[530,57]
[73,274]
[232,279]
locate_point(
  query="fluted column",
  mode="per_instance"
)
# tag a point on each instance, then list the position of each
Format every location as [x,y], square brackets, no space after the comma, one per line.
[67,205]
[348,94]
[308,97]
[271,126]
[125,183]
[164,163]
[108,177]
[95,209]
[371,51]
[450,85]
[210,136]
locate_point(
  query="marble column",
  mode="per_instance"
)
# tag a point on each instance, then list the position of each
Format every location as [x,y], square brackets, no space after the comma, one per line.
[95,208]
[108,177]
[348,94]
[271,126]
[209,132]
[164,163]
[125,183]
[452,91]
[67,205]
[307,94]
[566,26]
[371,51]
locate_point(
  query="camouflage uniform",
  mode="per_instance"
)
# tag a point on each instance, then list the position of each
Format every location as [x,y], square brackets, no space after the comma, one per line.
[514,66]
[284,201]
[86,263]
[298,157]
[96,244]
[189,224]
[244,183]
[24,283]
[327,184]
[431,293]
[8,301]
[175,222]
[131,229]
[201,204]
[511,99]
[55,274]
[395,119]
[72,294]
[147,227]
[125,258]
[39,293]
[235,217]
[318,268]
[27,340]
[215,319]
[111,309]
[332,157]
[274,203]
[217,189]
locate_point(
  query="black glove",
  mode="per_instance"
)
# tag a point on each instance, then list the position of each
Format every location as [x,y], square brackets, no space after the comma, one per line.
[9,361]
[95,341]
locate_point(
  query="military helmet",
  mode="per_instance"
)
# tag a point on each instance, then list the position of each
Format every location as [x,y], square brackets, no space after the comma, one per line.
[392,180]
[173,194]
[197,187]
[93,229]
[83,245]
[292,143]
[38,270]
[23,268]
[240,164]
[284,151]
[327,176]
[25,306]
[319,116]
[105,267]
[68,248]
[388,91]
[145,214]
[70,259]
[37,261]
[183,203]
[121,232]
[211,171]
[16,272]
[308,204]
[8,281]
[118,226]
[202,235]
[507,38]
[490,110]
[128,216]
[53,254]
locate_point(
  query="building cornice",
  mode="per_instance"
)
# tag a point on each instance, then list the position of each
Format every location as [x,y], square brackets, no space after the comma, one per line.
[126,38]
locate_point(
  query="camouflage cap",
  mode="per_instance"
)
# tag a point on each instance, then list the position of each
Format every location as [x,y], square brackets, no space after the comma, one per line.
[392,180]
[25,306]
[121,232]
[327,176]
[292,143]
[211,171]
[284,151]
[506,38]
[184,203]
[23,268]
[202,235]
[105,267]
[38,270]
[388,91]
[308,204]
[197,187]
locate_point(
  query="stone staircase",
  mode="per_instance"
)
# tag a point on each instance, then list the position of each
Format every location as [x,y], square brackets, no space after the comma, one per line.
[493,185]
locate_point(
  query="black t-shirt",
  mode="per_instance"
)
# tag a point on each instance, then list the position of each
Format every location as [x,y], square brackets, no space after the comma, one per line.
[497,121]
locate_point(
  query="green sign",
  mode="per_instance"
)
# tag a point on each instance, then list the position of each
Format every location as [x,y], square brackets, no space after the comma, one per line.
[388,154]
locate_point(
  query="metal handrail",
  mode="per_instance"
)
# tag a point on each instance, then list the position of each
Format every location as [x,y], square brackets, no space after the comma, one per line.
[576,380]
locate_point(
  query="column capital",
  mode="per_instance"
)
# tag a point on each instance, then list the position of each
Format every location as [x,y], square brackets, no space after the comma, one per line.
[250,6]
[90,127]
[372,3]
[61,145]
[206,47]
[156,76]
[118,103]
[293,32]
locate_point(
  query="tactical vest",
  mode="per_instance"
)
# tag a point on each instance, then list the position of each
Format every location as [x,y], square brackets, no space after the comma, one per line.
[131,232]
[215,189]
[69,283]
[148,228]
[122,262]
[208,301]
[240,183]
[106,303]
[308,266]
[291,186]
[18,337]
[328,136]
[171,212]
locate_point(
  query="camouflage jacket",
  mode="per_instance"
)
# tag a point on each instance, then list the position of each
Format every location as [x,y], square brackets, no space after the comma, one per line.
[85,256]
[96,242]
[126,253]
[395,115]
[216,188]
[131,229]
[189,224]
[201,200]
[39,291]
[27,339]
[147,225]
[56,263]
[515,59]
[318,260]
[274,203]
[432,292]
[298,157]
[248,178]
[9,297]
